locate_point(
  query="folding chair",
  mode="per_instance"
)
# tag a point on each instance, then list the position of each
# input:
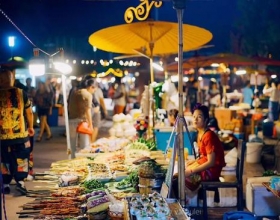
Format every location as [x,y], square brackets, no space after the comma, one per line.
[235,183]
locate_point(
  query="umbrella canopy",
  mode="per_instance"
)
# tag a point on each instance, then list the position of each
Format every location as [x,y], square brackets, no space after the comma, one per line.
[203,61]
[14,63]
[266,61]
[148,37]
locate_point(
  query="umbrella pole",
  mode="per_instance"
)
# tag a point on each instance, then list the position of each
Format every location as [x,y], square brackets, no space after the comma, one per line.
[179,5]
[151,69]
[63,80]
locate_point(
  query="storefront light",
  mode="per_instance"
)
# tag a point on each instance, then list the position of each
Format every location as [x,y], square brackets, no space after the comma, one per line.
[113,79]
[64,68]
[157,66]
[174,78]
[273,76]
[215,65]
[240,72]
[58,80]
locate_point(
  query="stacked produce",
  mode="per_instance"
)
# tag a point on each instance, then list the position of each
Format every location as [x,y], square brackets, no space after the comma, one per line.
[122,126]
[111,144]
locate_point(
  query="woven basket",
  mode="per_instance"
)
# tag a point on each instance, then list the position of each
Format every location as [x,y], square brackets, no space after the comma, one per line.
[116,215]
[97,216]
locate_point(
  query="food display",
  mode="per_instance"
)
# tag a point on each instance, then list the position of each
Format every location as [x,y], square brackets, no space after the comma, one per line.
[96,186]
[122,126]
[152,206]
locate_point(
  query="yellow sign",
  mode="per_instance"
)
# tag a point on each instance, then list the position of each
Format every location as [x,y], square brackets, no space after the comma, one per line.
[141,12]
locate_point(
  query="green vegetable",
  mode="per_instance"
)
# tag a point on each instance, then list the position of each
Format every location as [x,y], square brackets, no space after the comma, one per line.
[132,180]
[92,184]
[150,143]
[269,173]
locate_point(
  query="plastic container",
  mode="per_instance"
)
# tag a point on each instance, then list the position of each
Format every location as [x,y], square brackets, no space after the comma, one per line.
[162,138]
[239,135]
[236,215]
[253,152]
[53,118]
[267,127]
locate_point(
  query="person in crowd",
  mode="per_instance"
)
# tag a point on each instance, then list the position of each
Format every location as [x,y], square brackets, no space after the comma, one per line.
[274,98]
[80,109]
[209,164]
[31,91]
[192,93]
[44,102]
[172,115]
[19,85]
[119,97]
[95,112]
[50,86]
[100,99]
[247,93]
[16,121]
[213,95]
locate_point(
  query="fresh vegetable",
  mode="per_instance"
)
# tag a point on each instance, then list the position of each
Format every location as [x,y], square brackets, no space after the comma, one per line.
[90,185]
[269,173]
[150,143]
[131,180]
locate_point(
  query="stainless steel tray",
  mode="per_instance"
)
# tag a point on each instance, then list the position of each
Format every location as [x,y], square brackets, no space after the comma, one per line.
[177,212]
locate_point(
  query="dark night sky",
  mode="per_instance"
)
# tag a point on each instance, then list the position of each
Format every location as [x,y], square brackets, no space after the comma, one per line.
[42,20]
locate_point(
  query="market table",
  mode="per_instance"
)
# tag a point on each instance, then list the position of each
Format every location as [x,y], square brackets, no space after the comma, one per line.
[275,192]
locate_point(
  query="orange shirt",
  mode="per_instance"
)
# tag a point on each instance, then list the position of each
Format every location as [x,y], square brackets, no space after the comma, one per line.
[209,143]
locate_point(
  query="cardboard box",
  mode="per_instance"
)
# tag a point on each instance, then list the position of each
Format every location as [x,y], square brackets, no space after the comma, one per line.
[259,200]
[224,116]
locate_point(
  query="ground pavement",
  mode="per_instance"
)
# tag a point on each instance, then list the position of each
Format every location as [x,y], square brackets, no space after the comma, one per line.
[45,152]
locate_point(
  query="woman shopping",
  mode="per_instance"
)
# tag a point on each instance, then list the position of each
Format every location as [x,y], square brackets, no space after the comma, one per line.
[80,107]
[209,164]
[44,101]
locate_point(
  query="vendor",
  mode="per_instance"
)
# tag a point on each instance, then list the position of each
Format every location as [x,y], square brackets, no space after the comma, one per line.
[274,98]
[172,115]
[208,166]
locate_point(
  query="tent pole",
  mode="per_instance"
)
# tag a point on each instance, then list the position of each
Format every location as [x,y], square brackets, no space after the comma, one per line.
[179,5]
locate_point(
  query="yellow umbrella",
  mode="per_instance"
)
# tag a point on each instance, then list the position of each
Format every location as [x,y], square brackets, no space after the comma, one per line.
[148,38]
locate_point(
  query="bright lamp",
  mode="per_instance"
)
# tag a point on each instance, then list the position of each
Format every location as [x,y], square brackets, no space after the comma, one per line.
[37,67]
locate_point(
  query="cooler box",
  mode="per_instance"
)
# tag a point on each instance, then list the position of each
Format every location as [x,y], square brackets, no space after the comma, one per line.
[259,200]
[162,136]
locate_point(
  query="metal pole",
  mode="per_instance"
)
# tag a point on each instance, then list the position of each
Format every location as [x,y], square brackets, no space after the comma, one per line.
[63,82]
[179,5]
[181,157]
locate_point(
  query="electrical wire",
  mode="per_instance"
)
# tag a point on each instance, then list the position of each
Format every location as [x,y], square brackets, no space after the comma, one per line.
[20,31]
